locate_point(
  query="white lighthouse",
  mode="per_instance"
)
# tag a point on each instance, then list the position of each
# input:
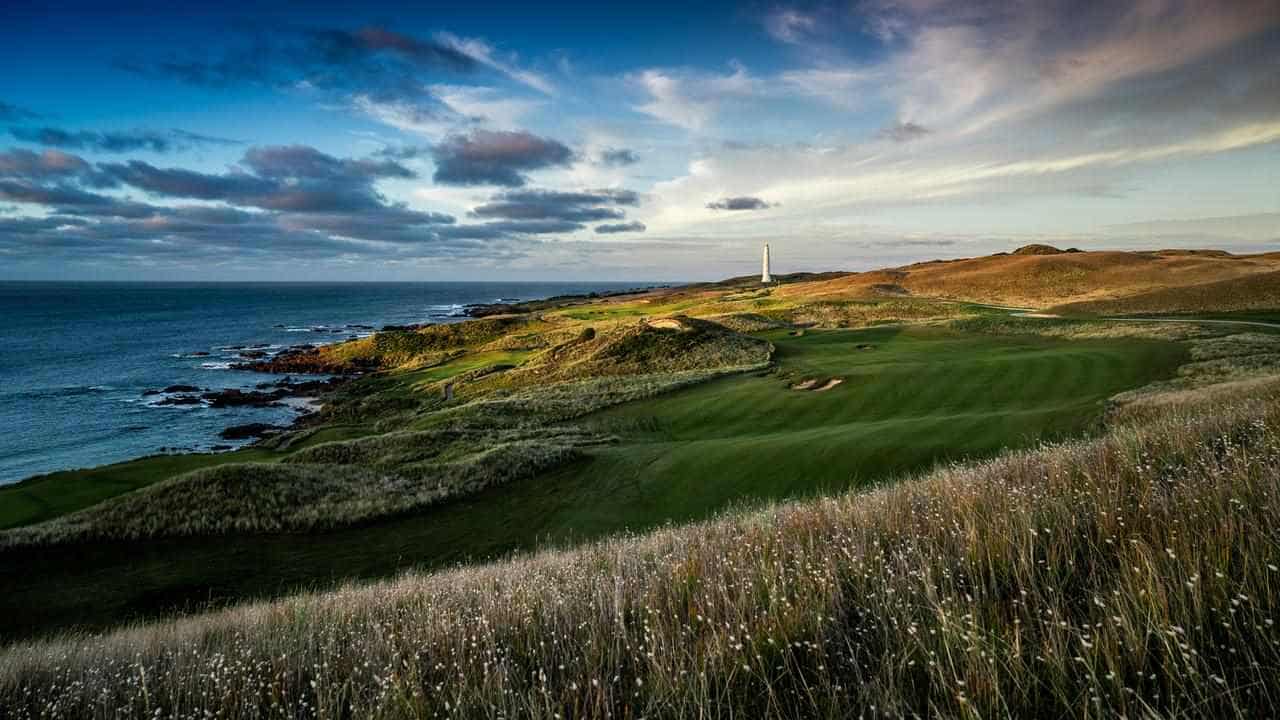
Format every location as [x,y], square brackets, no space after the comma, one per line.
[765,277]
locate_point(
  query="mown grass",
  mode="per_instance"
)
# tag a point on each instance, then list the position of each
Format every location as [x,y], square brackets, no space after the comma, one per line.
[910,397]
[1136,574]
[883,423]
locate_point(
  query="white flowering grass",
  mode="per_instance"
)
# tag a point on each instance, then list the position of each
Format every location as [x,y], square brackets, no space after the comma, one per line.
[1134,575]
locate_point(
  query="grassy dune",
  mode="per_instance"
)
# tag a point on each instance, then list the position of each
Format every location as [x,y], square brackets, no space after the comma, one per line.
[1137,574]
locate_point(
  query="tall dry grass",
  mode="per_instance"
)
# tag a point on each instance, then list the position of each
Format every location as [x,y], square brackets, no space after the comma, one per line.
[1134,575]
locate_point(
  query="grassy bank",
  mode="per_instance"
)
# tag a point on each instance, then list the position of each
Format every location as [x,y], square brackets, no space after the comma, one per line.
[1136,574]
[48,496]
[912,398]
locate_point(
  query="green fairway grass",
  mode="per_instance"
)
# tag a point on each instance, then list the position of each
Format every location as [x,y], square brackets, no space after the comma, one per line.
[916,396]
[910,398]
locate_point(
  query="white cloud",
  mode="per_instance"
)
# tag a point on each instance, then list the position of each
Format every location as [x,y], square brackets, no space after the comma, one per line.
[484,105]
[846,88]
[405,116]
[691,100]
[460,107]
[483,53]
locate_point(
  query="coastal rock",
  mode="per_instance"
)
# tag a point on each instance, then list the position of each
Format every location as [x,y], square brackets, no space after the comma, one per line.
[180,400]
[239,398]
[490,309]
[250,430]
[181,389]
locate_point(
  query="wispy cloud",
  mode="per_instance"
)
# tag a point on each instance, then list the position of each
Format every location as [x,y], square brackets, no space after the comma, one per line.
[484,54]
[691,100]
[789,25]
[159,141]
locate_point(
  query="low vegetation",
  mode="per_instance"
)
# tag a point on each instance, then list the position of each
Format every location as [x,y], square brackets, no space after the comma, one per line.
[1136,574]
[1251,292]
[326,486]
[854,313]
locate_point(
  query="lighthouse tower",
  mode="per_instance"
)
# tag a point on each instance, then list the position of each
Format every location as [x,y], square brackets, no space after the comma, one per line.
[765,277]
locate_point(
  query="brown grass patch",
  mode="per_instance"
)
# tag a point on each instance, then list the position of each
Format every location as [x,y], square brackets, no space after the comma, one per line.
[1045,280]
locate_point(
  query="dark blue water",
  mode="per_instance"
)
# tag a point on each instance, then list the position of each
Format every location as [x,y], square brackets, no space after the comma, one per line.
[75,358]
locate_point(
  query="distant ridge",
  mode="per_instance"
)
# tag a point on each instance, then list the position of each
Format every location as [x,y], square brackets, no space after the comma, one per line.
[1036,249]
[1042,276]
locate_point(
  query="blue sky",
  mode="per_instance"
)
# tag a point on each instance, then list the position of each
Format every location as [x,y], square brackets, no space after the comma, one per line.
[654,141]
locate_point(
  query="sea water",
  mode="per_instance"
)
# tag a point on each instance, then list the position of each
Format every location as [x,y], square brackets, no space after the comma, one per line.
[76,358]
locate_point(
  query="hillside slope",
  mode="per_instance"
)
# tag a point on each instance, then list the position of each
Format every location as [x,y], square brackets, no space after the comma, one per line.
[1045,277]
[1251,292]
[1135,575]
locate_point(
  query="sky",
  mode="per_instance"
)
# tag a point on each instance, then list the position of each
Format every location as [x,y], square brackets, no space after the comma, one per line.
[608,141]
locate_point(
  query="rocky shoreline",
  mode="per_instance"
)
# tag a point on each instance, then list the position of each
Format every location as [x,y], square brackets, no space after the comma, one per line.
[308,359]
[265,394]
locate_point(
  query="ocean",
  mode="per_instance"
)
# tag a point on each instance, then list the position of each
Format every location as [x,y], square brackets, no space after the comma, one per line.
[76,358]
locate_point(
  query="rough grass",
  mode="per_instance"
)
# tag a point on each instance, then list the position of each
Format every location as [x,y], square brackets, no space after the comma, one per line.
[325,486]
[536,405]
[1251,292]
[426,345]
[1083,328]
[1217,360]
[670,345]
[1131,575]
[1062,278]
[856,313]
[748,322]
[47,496]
